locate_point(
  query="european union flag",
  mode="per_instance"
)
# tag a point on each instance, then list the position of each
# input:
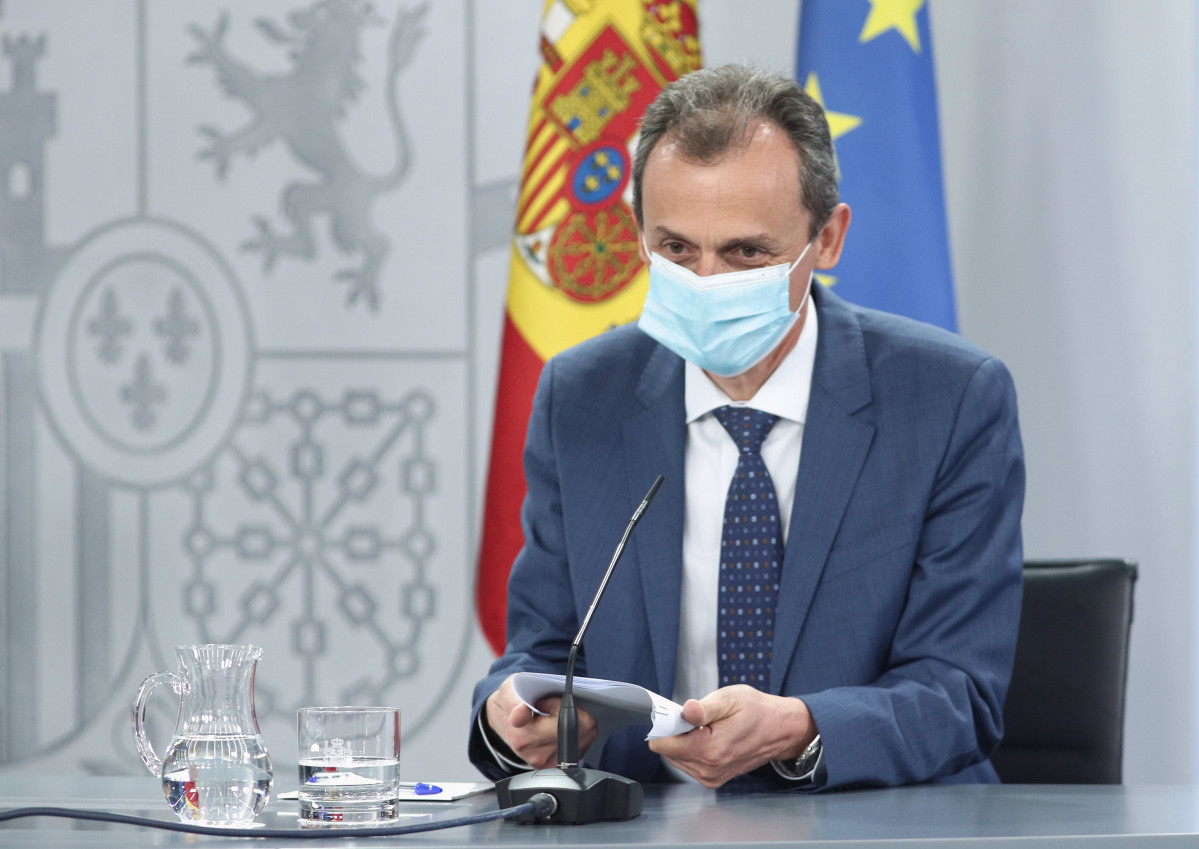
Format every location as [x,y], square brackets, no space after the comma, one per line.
[870,65]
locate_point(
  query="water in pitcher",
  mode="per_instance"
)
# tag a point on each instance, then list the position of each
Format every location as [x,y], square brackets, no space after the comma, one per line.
[225,776]
[359,790]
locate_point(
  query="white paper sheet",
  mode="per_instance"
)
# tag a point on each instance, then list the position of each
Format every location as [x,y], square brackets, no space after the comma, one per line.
[610,702]
[450,791]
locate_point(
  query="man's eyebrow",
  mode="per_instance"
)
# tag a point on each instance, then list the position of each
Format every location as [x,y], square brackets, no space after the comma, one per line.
[762,240]
[759,240]
[661,232]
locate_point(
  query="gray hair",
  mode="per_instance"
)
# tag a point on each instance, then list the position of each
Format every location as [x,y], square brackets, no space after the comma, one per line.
[712,111]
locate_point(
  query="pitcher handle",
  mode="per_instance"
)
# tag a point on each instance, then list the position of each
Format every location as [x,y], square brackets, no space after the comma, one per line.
[149,757]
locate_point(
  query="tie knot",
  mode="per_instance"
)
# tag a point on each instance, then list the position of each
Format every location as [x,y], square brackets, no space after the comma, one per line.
[748,427]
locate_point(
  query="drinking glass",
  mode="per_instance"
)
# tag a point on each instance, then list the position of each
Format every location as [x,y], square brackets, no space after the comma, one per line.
[349,765]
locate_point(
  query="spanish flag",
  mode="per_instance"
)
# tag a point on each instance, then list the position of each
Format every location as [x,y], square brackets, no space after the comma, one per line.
[575,270]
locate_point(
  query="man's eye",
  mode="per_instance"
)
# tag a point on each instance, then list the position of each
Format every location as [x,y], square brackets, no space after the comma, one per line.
[674,247]
[749,252]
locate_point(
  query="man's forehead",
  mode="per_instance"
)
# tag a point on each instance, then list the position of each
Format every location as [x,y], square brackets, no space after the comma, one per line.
[767,163]
[758,135]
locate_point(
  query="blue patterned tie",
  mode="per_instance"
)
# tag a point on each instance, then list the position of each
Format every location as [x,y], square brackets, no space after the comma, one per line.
[751,556]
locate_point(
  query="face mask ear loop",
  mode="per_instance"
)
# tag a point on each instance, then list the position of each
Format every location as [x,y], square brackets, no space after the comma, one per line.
[807,289]
[799,258]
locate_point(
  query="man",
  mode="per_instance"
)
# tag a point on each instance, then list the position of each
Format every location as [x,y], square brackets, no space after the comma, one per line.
[875,639]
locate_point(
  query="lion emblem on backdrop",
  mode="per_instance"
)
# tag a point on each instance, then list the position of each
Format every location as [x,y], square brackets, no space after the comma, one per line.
[301,109]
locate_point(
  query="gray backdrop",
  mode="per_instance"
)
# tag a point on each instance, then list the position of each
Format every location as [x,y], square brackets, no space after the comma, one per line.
[237,406]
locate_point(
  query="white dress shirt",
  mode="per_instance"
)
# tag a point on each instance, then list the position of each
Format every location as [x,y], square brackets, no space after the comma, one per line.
[709,463]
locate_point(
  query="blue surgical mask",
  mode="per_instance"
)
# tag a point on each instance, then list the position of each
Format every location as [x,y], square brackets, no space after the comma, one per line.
[724,323]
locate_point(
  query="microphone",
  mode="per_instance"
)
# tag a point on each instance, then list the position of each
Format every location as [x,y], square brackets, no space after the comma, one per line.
[582,795]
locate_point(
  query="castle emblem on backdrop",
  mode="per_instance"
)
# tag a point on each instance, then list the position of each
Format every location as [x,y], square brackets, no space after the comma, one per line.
[134,378]
[301,109]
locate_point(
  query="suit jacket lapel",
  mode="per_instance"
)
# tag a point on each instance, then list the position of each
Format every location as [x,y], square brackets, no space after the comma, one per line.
[654,440]
[835,445]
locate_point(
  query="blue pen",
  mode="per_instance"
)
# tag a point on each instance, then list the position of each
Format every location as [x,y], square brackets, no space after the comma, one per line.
[420,788]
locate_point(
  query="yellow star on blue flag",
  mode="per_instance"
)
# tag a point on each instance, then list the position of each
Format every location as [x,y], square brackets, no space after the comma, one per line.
[838,122]
[872,61]
[898,15]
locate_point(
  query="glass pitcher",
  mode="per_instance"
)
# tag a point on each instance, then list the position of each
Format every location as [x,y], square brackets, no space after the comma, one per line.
[216,770]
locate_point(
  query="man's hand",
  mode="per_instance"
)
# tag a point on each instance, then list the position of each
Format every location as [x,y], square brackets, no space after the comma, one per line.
[737,730]
[532,737]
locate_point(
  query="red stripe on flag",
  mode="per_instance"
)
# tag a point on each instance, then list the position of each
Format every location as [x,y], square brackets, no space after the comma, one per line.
[502,537]
[535,152]
[534,196]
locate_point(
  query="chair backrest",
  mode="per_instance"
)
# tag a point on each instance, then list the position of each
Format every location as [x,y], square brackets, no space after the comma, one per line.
[1064,715]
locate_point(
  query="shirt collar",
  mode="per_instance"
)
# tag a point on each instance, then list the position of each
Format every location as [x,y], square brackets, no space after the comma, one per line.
[784,394]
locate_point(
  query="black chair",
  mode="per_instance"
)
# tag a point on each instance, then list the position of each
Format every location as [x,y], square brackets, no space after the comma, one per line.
[1064,716]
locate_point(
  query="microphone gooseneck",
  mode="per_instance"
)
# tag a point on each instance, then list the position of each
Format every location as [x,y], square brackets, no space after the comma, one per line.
[637,514]
[568,717]
[583,795]
[568,714]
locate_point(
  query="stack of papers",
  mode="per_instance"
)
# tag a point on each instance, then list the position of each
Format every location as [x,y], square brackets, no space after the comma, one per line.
[610,702]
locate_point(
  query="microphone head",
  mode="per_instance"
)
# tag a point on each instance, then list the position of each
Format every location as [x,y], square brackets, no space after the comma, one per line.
[649,496]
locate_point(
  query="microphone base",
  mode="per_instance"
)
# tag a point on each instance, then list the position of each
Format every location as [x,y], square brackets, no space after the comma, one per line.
[583,795]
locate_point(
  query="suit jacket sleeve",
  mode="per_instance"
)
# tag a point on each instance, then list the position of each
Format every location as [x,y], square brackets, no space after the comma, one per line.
[936,709]
[541,610]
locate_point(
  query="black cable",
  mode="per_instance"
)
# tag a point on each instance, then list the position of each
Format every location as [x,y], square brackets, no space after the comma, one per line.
[540,805]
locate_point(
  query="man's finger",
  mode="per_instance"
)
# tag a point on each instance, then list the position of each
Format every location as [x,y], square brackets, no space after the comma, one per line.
[520,715]
[716,705]
[694,712]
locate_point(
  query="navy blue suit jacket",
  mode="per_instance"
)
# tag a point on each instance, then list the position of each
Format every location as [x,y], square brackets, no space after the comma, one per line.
[901,584]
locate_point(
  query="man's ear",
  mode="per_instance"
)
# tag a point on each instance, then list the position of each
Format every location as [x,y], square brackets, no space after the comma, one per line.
[831,238]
